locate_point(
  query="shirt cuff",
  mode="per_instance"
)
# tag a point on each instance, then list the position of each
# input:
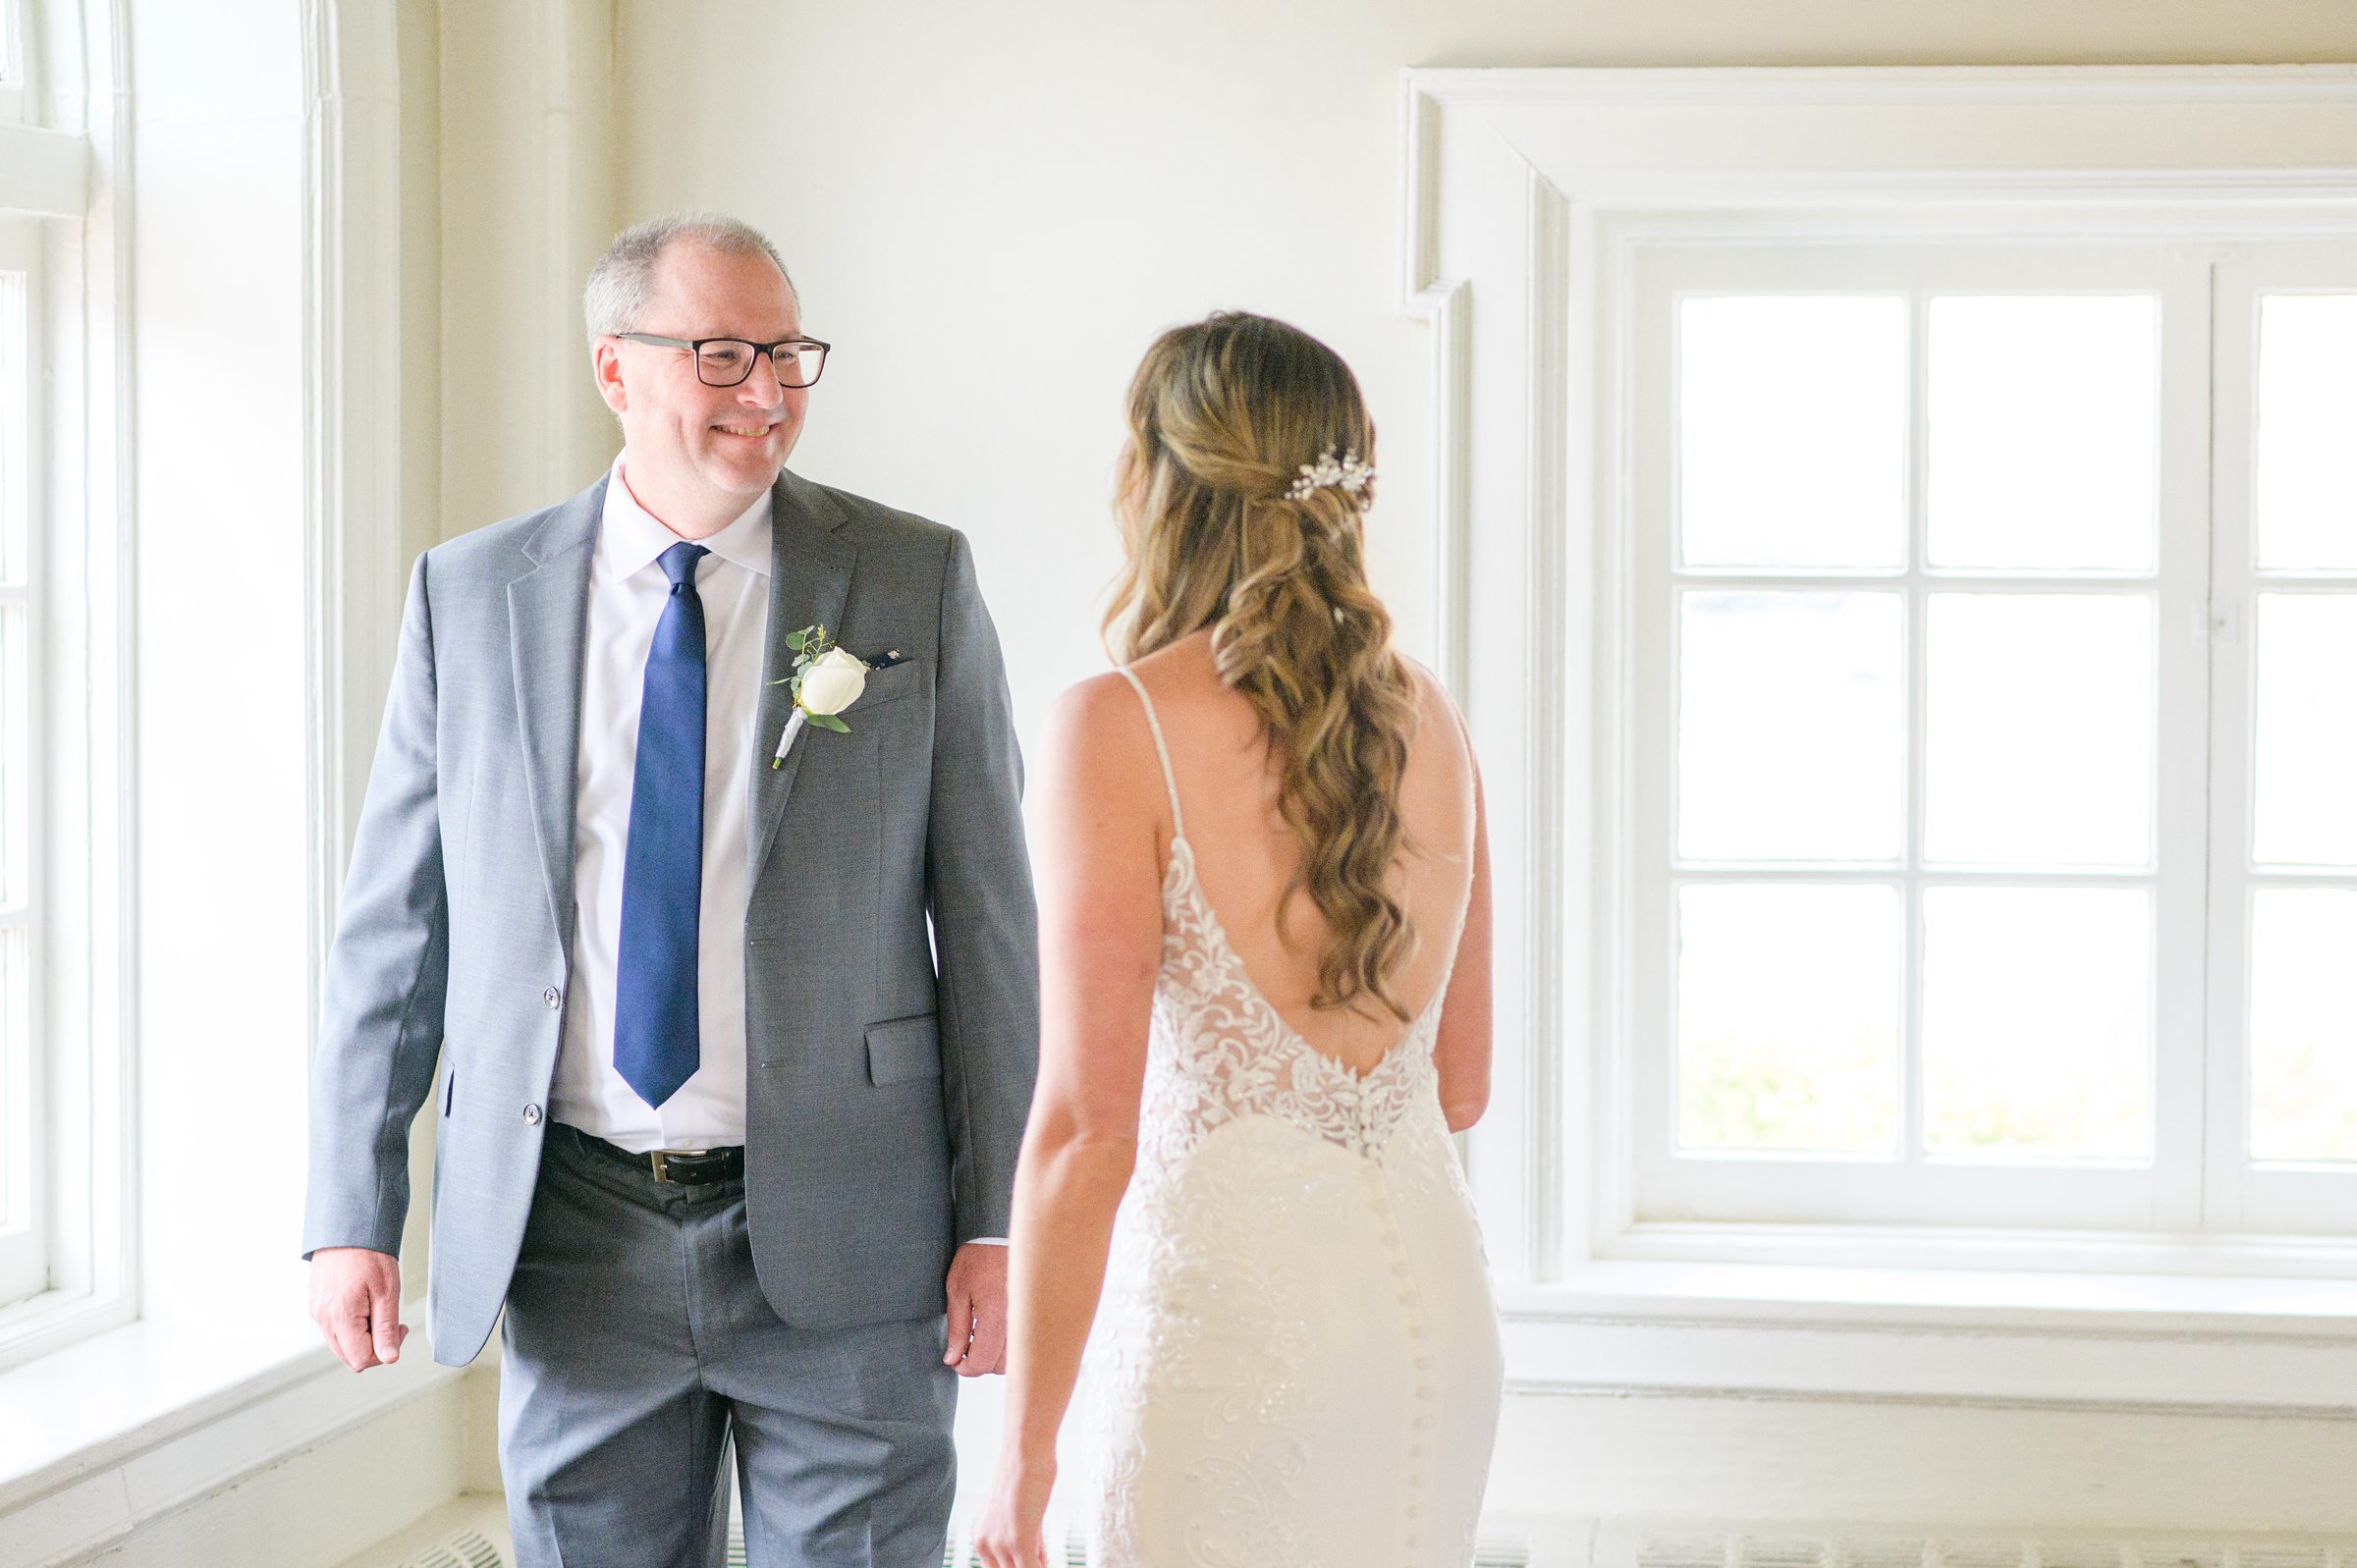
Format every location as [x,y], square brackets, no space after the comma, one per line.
[986,1241]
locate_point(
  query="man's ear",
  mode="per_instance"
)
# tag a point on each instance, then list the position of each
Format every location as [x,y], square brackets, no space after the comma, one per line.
[605,363]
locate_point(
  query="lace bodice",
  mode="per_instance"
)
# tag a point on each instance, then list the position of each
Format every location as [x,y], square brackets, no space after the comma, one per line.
[1220,1049]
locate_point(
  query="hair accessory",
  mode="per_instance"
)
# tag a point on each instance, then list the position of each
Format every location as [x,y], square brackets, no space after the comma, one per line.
[1350,476]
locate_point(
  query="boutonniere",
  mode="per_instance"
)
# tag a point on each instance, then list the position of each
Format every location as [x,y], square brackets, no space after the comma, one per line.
[825,681]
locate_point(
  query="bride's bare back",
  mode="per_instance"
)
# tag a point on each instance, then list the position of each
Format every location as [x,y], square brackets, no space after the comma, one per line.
[1246,855]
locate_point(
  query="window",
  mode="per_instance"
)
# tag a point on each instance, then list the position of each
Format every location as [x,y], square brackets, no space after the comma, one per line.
[1898,553]
[23,1257]
[1996,696]
[64,1259]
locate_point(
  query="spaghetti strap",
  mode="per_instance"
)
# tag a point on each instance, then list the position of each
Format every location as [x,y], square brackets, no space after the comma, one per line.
[1170,780]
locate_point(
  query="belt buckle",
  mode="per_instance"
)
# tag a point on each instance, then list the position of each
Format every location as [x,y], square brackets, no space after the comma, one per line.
[660,1158]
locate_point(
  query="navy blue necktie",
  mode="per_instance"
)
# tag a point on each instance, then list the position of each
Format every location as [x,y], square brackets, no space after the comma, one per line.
[655,1022]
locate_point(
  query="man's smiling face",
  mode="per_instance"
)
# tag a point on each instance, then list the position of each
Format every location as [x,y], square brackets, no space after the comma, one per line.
[692,445]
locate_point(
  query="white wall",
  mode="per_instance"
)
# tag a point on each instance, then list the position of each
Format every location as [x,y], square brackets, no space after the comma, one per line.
[993,209]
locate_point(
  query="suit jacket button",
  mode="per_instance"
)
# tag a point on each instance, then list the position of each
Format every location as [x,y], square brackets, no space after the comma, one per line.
[531,1116]
[551,996]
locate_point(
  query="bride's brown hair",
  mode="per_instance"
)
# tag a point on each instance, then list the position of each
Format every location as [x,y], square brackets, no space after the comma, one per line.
[1223,415]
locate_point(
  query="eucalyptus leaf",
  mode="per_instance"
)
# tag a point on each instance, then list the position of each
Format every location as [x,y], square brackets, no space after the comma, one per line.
[827,721]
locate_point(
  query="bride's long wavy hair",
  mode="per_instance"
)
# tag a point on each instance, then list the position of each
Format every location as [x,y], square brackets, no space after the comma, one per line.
[1224,414]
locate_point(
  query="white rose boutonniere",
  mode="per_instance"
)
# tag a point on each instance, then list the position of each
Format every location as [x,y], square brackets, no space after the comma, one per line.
[832,683]
[825,681]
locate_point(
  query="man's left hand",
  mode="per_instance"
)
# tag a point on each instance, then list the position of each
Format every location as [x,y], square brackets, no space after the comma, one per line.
[978,1289]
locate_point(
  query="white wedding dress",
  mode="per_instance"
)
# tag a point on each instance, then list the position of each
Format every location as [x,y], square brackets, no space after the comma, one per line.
[1297,1359]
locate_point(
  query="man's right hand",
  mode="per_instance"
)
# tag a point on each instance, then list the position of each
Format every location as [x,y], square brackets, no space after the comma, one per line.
[356,1300]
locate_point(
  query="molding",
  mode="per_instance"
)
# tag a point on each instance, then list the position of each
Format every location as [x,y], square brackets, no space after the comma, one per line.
[1445,304]
[1577,163]
[1601,1342]
[1547,287]
[1899,86]
[352,437]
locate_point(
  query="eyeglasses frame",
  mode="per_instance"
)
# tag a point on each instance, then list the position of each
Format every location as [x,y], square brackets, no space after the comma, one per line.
[766,350]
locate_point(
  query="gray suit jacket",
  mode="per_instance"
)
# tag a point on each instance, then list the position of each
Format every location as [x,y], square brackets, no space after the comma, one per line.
[887,1076]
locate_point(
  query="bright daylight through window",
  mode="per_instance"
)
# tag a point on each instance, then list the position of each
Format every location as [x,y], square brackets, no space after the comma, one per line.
[1955,906]
[23,1265]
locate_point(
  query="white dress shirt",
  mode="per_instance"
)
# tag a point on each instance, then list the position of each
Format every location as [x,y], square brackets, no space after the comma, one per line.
[628,591]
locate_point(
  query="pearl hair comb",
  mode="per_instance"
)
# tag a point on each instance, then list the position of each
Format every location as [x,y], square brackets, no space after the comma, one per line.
[1350,475]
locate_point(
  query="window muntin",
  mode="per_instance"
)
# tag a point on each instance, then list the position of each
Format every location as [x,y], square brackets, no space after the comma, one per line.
[1884,767]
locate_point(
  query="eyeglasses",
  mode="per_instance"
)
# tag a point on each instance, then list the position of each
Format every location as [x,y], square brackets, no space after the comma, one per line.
[726,361]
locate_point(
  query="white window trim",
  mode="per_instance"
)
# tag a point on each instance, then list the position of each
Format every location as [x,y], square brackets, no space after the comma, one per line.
[1517,188]
[12,56]
[1663,268]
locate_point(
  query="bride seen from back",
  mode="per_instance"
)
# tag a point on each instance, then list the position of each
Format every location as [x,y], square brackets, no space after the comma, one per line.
[1265,955]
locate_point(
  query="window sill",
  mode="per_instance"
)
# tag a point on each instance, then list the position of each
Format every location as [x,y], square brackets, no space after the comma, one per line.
[1941,1335]
[127,1424]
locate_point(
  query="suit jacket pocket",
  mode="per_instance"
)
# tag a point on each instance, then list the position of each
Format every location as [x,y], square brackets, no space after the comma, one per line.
[885,685]
[902,1050]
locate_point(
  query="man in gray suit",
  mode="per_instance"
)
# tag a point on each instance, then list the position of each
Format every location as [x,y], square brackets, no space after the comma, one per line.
[727,1132]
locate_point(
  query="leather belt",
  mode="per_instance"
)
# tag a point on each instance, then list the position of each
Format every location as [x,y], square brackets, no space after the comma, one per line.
[682,1167]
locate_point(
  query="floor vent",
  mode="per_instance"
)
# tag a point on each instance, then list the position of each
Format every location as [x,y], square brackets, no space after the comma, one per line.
[460,1549]
[1872,1551]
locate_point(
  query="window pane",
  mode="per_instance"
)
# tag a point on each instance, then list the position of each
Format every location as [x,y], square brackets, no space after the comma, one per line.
[1789,734]
[2044,416]
[2036,1021]
[2039,729]
[13,389]
[1787,1018]
[2307,464]
[2307,730]
[2303,1024]
[15,715]
[16,1131]
[1793,431]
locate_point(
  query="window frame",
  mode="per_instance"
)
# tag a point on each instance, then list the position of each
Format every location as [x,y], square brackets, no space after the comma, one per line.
[1918,1189]
[2243,1195]
[58,187]
[1522,189]
[13,71]
[26,1183]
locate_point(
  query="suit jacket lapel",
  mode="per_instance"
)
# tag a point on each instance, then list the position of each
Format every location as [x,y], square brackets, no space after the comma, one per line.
[811,574]
[548,610]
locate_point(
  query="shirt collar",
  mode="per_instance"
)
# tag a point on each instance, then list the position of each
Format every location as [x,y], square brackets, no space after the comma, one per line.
[632,538]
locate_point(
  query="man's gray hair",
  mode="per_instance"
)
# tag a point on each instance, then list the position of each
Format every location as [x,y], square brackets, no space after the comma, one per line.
[623,282]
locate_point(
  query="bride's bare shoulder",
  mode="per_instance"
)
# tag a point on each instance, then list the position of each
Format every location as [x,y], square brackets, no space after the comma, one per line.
[1096,740]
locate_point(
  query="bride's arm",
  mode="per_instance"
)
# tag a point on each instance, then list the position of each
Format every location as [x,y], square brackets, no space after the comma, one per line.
[1460,1051]
[1099,852]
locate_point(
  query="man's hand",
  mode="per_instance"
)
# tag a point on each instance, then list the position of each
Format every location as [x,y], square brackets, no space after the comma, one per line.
[978,1310]
[356,1300]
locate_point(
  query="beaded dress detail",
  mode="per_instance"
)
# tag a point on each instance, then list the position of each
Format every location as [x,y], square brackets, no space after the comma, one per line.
[1297,1359]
